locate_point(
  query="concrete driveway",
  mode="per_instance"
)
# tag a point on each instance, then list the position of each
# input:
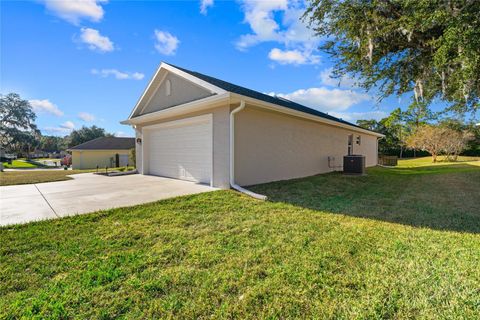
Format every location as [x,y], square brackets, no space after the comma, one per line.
[87,192]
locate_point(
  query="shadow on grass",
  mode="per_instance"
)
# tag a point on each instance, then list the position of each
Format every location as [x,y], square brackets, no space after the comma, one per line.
[441,197]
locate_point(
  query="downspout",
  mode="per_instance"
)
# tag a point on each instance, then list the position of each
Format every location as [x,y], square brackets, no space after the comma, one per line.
[232,156]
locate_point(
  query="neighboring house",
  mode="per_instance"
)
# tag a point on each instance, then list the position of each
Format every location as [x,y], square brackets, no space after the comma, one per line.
[103,152]
[195,127]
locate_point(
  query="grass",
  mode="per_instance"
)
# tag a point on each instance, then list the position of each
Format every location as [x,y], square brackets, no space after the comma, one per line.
[19,164]
[320,248]
[444,196]
[26,177]
[9,178]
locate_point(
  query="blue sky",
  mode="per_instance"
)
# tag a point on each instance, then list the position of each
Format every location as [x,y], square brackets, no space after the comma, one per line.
[85,62]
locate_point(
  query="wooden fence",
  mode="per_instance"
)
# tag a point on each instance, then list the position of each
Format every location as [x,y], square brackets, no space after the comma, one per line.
[388,160]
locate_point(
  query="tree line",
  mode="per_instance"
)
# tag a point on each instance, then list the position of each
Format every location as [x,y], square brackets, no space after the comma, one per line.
[20,135]
[418,132]
[427,51]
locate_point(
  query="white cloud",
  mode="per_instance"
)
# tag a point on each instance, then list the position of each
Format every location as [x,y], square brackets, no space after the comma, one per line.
[204,4]
[119,75]
[166,43]
[74,11]
[260,16]
[343,82]
[95,40]
[295,57]
[85,116]
[69,125]
[45,106]
[278,21]
[354,116]
[325,99]
[121,134]
[64,128]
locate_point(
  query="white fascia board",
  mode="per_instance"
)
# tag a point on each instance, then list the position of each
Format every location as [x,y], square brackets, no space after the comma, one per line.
[197,105]
[150,83]
[195,80]
[93,150]
[278,108]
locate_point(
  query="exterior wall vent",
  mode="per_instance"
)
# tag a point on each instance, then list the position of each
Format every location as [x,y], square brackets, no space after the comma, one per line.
[168,87]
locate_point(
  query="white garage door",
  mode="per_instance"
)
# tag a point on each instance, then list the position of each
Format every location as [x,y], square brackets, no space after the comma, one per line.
[181,149]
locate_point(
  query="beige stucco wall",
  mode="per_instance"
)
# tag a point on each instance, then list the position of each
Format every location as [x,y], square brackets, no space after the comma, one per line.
[270,146]
[221,144]
[182,91]
[89,159]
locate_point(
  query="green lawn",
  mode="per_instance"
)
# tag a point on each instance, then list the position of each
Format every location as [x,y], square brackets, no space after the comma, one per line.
[26,177]
[399,243]
[9,178]
[19,164]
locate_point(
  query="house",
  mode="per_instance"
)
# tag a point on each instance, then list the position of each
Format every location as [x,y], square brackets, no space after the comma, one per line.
[103,152]
[195,127]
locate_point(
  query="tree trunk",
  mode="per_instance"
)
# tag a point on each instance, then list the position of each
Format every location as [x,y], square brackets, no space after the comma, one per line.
[401,152]
[434,157]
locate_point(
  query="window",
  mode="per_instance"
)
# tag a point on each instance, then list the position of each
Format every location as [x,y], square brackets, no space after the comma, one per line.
[359,140]
[168,88]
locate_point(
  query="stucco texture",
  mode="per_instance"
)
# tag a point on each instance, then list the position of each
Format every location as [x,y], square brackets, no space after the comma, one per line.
[182,91]
[90,159]
[270,146]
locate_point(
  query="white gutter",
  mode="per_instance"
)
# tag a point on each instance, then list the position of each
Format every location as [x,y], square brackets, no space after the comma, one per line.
[232,156]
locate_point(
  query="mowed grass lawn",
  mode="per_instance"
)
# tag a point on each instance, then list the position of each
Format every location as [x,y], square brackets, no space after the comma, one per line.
[399,243]
[27,176]
[19,164]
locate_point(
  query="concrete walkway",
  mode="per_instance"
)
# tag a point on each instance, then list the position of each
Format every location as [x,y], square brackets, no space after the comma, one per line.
[86,193]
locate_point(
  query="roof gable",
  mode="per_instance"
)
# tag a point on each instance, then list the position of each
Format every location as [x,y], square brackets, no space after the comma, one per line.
[172,90]
[159,77]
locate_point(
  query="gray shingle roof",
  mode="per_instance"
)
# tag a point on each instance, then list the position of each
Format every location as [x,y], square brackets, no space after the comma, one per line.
[227,86]
[107,143]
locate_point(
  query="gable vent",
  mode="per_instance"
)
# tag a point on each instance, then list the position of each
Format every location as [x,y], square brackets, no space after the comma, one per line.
[168,87]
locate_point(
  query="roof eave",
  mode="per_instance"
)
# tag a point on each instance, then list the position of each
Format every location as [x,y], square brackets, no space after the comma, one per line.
[197,105]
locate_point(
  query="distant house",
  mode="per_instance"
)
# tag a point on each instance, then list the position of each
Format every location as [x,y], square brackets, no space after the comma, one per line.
[103,152]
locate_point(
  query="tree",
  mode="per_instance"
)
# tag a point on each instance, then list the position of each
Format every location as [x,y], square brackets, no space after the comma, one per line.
[372,125]
[396,128]
[52,144]
[85,134]
[428,138]
[416,115]
[428,48]
[456,142]
[437,140]
[18,131]
[469,133]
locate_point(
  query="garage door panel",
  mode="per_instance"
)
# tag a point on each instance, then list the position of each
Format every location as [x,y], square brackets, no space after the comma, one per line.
[182,151]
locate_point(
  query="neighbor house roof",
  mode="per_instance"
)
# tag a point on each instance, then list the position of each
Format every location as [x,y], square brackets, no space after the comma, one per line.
[227,86]
[107,143]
